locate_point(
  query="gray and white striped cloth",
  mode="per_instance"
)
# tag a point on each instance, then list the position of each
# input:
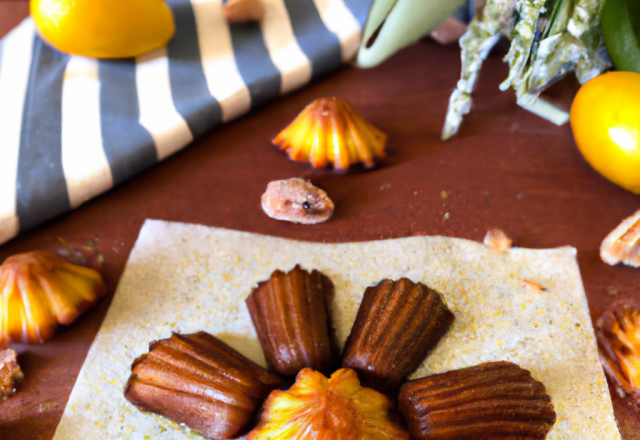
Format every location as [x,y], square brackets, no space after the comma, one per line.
[73,127]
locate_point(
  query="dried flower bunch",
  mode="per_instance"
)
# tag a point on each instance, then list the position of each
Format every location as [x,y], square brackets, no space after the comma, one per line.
[618,331]
[548,40]
[39,290]
[199,381]
[330,132]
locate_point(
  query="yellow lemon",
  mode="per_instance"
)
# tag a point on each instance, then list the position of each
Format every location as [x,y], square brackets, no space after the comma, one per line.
[104,28]
[605,118]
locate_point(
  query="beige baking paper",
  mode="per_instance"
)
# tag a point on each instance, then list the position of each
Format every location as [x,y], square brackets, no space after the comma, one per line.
[185,278]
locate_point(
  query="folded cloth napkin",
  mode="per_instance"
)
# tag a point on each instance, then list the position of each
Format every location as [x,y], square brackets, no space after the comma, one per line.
[73,127]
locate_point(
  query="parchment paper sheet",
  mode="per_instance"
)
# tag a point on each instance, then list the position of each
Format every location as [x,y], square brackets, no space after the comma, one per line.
[186,278]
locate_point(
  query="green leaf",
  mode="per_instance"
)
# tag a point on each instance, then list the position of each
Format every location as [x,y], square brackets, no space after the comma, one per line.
[633,6]
[620,21]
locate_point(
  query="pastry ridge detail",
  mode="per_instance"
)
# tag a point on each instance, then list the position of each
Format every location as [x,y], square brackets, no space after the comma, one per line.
[198,380]
[290,315]
[492,400]
[397,324]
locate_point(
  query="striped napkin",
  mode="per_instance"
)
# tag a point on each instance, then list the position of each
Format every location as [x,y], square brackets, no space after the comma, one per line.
[73,127]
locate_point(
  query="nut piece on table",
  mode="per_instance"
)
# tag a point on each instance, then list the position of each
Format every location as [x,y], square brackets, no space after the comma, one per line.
[493,400]
[240,11]
[330,132]
[397,324]
[198,380]
[296,200]
[622,245]
[449,32]
[618,331]
[290,314]
[452,29]
[497,239]
[336,408]
[10,374]
[39,290]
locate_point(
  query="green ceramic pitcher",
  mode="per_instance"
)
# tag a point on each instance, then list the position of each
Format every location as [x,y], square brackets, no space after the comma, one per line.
[395,24]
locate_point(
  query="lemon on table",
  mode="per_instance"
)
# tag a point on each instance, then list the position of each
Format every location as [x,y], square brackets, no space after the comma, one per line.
[104,28]
[605,118]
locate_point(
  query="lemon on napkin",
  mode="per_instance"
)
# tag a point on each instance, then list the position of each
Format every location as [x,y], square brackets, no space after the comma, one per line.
[104,28]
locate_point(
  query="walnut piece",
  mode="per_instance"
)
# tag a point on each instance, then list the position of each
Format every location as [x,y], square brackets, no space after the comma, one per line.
[449,32]
[240,11]
[530,285]
[622,245]
[297,200]
[497,239]
[10,374]
[452,29]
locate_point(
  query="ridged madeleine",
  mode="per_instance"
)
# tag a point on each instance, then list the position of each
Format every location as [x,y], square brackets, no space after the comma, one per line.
[198,380]
[289,312]
[618,331]
[330,132]
[317,408]
[39,290]
[397,324]
[497,400]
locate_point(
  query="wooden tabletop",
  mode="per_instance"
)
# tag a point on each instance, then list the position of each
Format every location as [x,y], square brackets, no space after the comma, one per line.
[506,168]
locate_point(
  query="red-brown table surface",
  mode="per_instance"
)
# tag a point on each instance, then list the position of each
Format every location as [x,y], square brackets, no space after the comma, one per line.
[506,168]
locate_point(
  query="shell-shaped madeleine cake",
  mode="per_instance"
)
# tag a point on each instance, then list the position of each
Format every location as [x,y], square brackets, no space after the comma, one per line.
[330,132]
[39,290]
[198,380]
[289,313]
[497,400]
[618,331]
[338,408]
[397,324]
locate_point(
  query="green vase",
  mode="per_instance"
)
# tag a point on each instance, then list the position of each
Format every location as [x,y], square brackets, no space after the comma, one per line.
[395,24]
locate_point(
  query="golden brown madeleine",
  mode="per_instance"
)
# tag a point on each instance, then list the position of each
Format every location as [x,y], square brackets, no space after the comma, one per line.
[618,331]
[198,380]
[397,324]
[497,400]
[39,290]
[330,132]
[289,312]
[338,408]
